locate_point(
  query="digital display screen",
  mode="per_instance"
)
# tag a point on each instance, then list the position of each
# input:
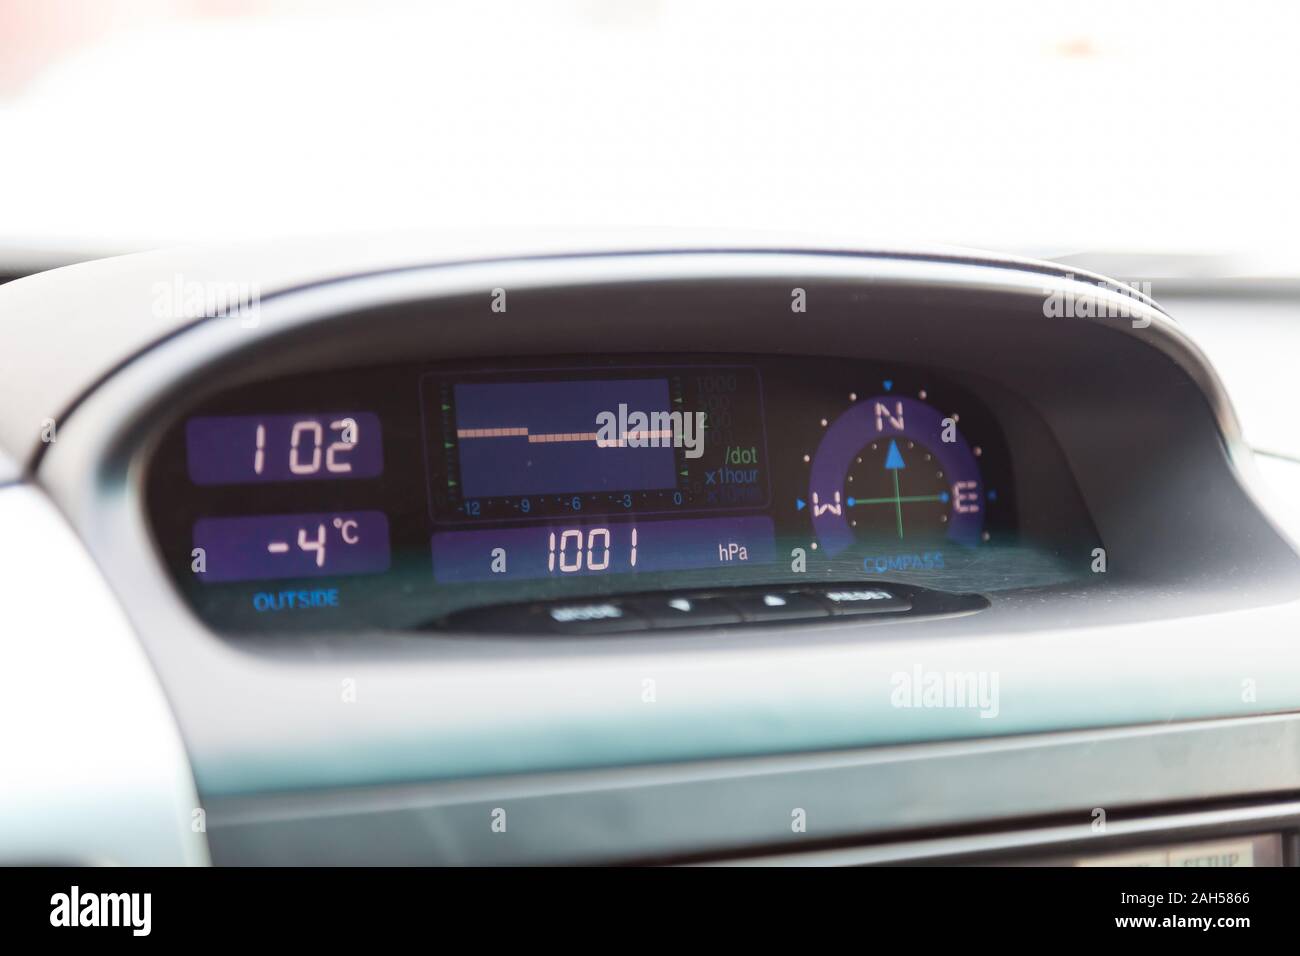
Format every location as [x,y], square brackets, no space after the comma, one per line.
[540,551]
[538,438]
[292,546]
[559,471]
[410,492]
[616,442]
[235,449]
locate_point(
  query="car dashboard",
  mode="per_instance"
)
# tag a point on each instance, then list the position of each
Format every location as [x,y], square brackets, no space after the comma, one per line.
[681,554]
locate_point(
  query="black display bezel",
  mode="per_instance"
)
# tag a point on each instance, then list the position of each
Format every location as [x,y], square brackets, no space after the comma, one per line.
[406,596]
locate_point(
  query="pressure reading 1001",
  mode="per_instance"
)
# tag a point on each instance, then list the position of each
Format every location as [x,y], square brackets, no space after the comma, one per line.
[568,549]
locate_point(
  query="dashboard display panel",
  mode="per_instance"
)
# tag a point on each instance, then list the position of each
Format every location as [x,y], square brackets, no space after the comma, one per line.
[390,497]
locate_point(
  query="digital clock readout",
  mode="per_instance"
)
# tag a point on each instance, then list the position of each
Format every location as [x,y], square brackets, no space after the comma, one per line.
[240,449]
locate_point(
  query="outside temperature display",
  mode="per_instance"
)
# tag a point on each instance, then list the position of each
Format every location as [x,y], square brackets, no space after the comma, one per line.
[239,449]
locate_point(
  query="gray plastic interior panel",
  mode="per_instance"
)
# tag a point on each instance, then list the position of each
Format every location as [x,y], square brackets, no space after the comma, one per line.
[1252,341]
[108,312]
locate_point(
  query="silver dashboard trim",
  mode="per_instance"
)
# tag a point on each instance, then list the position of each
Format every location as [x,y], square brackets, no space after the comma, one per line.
[10,471]
[712,809]
[92,768]
[1021,845]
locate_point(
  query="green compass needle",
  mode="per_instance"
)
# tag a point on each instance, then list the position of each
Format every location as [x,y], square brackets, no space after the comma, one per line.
[898,507]
[894,462]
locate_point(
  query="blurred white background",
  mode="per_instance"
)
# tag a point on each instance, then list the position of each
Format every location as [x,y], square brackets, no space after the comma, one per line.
[1042,127]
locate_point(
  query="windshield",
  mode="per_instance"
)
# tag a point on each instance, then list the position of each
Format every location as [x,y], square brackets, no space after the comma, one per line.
[1042,128]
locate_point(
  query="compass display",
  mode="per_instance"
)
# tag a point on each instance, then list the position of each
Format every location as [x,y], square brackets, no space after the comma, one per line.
[893,471]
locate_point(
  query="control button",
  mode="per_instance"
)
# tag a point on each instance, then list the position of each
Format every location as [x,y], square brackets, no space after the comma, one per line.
[684,611]
[863,600]
[779,606]
[604,617]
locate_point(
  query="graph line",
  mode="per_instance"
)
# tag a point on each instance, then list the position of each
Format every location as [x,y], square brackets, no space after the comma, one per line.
[645,437]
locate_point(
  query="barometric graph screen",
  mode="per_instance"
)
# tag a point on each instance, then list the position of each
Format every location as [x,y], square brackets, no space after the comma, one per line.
[535,438]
